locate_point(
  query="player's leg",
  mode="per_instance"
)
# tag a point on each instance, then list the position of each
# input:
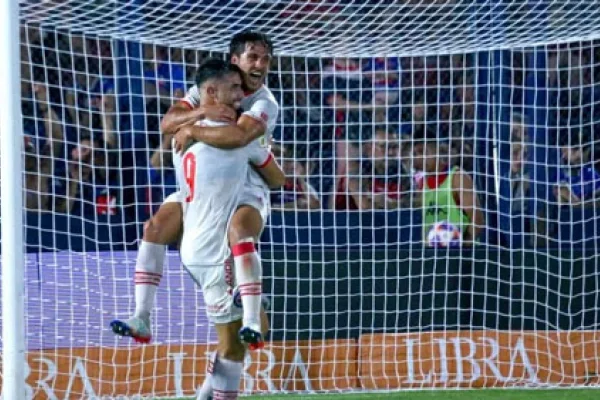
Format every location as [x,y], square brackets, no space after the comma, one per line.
[159,231]
[230,336]
[244,230]
[224,368]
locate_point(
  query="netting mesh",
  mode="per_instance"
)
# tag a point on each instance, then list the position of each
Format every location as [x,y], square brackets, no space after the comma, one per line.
[322,28]
[361,298]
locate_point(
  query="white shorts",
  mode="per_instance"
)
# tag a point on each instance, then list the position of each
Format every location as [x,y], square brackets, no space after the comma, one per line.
[175,197]
[217,284]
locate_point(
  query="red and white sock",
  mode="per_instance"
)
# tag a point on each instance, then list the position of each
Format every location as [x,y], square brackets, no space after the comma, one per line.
[148,272]
[206,391]
[226,378]
[248,273]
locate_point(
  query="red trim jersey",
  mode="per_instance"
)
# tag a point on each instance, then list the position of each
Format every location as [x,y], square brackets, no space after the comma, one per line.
[211,182]
[260,105]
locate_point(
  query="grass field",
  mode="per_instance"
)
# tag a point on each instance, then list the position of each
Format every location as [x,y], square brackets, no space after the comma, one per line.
[494,394]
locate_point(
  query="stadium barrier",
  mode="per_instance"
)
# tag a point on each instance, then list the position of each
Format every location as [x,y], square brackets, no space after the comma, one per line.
[382,229]
[383,319]
[377,361]
[178,370]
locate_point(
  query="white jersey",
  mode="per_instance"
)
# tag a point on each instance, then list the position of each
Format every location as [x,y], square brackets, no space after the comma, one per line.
[212,180]
[260,105]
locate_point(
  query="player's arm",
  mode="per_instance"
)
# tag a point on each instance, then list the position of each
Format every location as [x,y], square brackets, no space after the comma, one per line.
[245,132]
[464,193]
[250,126]
[187,111]
[180,114]
[271,172]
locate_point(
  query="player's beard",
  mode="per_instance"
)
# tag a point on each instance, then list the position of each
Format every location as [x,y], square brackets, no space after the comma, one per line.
[254,82]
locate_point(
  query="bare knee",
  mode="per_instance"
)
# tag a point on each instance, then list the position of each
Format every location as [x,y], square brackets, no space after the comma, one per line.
[264,323]
[246,223]
[234,350]
[165,226]
[152,231]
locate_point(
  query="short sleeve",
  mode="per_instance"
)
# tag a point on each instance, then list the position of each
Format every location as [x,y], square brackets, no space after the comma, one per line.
[259,155]
[192,97]
[265,110]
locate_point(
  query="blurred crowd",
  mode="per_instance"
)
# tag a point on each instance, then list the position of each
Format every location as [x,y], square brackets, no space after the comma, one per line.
[346,130]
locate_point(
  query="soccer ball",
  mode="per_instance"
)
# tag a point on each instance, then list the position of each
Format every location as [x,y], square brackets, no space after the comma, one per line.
[444,234]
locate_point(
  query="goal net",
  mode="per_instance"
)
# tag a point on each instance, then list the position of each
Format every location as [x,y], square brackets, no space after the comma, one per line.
[439,227]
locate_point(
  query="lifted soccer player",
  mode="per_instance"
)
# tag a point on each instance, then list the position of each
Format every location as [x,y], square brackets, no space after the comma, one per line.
[252,52]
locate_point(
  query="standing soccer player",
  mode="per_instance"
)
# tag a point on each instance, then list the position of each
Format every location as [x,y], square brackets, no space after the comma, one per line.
[212,182]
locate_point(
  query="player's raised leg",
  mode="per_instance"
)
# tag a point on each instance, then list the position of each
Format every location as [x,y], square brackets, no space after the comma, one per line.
[159,231]
[244,231]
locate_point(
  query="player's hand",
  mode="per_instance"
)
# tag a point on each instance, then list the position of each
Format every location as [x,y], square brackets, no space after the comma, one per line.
[182,138]
[220,113]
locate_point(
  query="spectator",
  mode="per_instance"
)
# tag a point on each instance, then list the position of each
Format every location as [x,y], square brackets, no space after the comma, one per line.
[516,204]
[579,179]
[162,175]
[349,187]
[346,97]
[163,76]
[44,137]
[89,189]
[386,180]
[38,179]
[108,115]
[41,124]
[297,193]
[520,184]
[384,75]
[375,178]
[448,193]
[418,112]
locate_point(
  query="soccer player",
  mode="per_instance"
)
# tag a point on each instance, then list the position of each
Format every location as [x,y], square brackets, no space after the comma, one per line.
[212,181]
[448,192]
[252,52]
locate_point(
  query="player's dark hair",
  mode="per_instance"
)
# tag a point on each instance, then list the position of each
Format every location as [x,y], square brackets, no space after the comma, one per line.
[214,68]
[237,45]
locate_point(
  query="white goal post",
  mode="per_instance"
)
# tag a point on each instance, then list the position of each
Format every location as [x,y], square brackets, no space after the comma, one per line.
[11,144]
[440,227]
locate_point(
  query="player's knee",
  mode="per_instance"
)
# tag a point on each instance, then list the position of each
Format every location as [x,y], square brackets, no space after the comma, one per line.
[152,231]
[264,324]
[233,350]
[237,234]
[246,223]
